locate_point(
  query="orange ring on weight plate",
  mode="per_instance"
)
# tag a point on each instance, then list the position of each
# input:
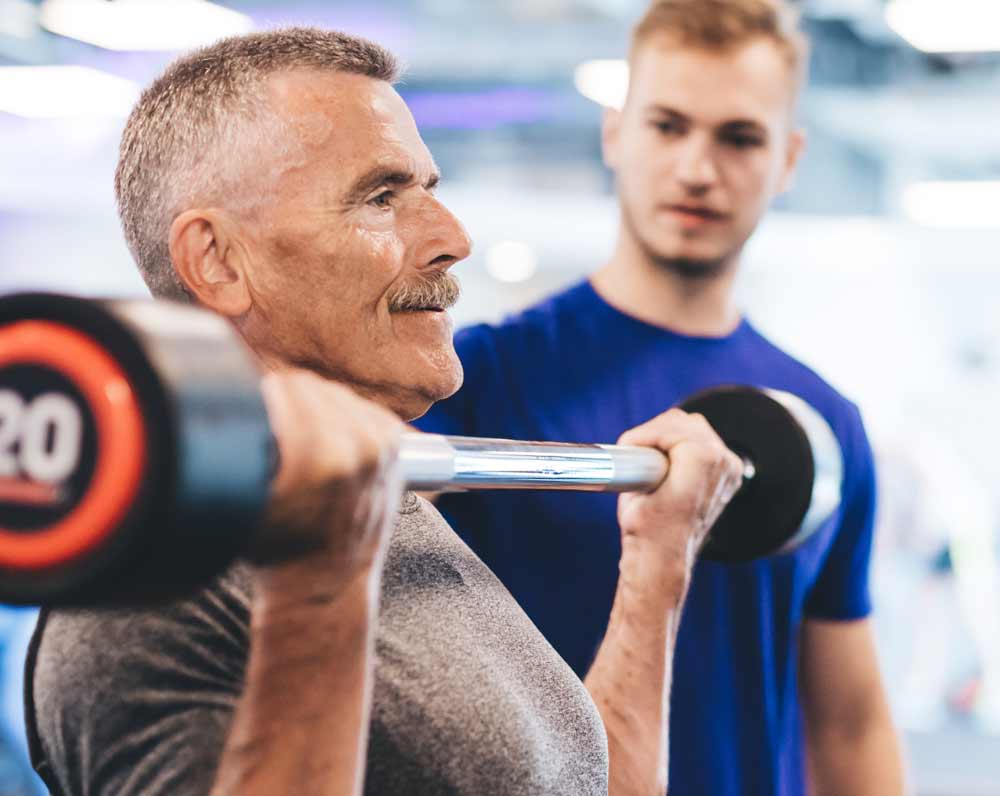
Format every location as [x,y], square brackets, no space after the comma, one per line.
[121,443]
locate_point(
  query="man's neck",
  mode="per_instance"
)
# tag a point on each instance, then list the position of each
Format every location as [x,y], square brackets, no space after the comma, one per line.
[697,306]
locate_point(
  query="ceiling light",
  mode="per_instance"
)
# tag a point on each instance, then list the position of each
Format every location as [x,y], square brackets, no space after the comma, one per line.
[953,204]
[48,92]
[603,81]
[953,27]
[143,24]
[511,261]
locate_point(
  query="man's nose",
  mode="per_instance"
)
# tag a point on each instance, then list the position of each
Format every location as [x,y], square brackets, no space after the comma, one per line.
[451,241]
[695,165]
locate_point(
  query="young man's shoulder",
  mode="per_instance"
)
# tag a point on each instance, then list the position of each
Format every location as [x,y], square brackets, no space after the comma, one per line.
[561,333]
[786,371]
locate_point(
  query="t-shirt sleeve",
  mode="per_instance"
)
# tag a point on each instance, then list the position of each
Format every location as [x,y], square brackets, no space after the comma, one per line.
[458,414]
[841,592]
[139,703]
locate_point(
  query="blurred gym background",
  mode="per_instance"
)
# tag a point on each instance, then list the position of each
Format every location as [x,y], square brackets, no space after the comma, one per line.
[881,268]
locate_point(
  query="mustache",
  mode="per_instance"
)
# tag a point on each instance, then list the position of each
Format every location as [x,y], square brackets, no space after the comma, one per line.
[439,290]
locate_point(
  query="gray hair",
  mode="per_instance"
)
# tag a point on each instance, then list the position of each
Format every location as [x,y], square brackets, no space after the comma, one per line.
[186,138]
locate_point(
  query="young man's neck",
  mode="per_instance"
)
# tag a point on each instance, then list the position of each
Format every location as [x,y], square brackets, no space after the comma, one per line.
[702,306]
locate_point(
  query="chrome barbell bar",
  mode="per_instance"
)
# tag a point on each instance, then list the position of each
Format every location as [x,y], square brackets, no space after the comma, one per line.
[439,463]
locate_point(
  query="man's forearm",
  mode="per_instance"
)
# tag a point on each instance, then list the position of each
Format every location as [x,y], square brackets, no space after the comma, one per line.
[301,725]
[858,764]
[852,745]
[631,675]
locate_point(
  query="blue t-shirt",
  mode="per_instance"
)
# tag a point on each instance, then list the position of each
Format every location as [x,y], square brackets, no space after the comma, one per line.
[575,369]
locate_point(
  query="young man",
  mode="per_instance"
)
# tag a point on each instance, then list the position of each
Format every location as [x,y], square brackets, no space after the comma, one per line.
[767,650]
[278,180]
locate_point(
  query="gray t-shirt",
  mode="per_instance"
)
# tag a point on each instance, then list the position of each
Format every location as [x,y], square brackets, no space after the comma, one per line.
[469,697]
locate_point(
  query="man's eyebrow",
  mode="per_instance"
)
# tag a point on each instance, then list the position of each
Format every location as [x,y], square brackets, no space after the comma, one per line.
[386,175]
[665,110]
[737,124]
[729,124]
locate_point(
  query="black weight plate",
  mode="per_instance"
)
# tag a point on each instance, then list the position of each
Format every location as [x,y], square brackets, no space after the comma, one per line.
[769,509]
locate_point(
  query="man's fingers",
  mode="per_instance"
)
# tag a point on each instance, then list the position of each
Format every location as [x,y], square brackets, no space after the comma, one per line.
[666,430]
[325,431]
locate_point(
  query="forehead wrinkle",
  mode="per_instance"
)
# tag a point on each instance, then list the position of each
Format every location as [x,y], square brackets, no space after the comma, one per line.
[399,168]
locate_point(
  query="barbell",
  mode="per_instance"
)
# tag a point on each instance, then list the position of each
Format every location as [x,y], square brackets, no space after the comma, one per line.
[136,455]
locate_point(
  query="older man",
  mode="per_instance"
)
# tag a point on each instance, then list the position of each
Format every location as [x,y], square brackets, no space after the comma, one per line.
[279,180]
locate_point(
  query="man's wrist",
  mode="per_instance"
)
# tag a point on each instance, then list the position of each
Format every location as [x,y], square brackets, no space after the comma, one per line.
[656,573]
[299,590]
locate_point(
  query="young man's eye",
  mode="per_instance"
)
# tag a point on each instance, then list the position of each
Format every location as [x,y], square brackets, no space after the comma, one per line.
[744,141]
[667,128]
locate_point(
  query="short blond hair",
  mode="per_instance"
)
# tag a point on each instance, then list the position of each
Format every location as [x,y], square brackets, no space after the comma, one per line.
[189,135]
[722,25]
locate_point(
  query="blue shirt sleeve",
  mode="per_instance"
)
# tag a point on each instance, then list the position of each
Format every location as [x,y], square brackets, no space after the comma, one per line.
[841,592]
[457,414]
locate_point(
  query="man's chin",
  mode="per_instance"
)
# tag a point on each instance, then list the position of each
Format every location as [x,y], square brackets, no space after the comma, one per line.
[448,384]
[422,396]
[688,261]
[692,268]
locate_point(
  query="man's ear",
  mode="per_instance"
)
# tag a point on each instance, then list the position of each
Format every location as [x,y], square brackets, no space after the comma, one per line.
[610,136]
[796,146]
[207,255]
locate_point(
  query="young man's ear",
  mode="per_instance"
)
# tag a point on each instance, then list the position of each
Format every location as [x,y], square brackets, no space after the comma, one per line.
[206,254]
[610,136]
[796,146]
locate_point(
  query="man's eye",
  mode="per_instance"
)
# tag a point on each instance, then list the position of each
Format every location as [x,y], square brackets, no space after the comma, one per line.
[383,199]
[667,128]
[744,141]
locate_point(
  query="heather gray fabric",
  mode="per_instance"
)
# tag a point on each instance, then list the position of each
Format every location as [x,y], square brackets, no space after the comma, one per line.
[469,698]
